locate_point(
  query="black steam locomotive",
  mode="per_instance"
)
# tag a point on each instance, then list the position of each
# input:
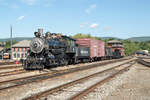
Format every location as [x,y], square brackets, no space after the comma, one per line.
[49,50]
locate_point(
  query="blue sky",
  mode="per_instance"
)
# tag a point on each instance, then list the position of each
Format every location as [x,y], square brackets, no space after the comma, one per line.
[117,18]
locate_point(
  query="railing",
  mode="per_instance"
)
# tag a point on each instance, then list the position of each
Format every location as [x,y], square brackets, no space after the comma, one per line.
[117,45]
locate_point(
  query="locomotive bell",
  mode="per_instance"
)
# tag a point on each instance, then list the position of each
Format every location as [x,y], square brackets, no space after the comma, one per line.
[40,30]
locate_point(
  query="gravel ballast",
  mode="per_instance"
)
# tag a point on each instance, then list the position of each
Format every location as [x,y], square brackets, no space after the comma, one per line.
[131,85]
[29,89]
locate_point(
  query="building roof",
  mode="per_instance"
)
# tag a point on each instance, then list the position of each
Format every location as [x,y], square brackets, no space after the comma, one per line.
[24,43]
[114,41]
[2,44]
[1,48]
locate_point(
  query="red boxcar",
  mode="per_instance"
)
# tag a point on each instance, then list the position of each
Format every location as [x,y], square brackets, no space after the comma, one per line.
[97,47]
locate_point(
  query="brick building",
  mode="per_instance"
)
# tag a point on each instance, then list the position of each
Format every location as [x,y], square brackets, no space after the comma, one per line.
[19,50]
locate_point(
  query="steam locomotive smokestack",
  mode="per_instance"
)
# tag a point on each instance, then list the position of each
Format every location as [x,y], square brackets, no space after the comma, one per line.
[40,30]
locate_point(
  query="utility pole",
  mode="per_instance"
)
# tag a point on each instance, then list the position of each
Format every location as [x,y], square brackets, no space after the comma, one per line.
[11,42]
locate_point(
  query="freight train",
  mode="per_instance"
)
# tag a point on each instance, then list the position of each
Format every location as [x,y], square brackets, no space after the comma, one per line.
[52,50]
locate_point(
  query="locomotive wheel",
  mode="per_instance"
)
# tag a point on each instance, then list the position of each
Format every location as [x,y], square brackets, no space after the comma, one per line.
[41,67]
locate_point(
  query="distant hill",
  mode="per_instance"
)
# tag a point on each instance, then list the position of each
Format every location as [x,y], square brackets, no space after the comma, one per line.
[17,39]
[104,38]
[140,39]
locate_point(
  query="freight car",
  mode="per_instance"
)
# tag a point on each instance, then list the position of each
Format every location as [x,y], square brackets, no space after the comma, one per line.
[95,51]
[55,49]
[108,53]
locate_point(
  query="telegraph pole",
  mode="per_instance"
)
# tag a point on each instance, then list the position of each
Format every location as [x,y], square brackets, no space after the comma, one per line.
[11,42]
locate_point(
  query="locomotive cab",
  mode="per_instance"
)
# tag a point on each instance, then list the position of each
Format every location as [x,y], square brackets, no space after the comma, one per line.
[70,49]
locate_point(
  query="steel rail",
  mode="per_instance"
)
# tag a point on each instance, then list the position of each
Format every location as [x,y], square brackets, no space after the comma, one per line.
[6,63]
[10,67]
[143,62]
[10,71]
[15,72]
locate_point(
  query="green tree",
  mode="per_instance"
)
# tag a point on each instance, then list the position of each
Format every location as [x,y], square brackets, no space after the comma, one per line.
[80,35]
[130,47]
[8,43]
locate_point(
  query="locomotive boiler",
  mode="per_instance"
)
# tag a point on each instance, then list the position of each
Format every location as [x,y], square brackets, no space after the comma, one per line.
[49,50]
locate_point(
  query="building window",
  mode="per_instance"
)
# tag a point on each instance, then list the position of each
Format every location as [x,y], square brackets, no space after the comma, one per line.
[26,49]
[14,55]
[18,49]
[22,55]
[25,55]
[18,55]
[21,49]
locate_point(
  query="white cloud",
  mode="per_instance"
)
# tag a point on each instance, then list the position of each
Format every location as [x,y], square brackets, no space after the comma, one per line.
[29,2]
[90,9]
[20,18]
[94,25]
[83,25]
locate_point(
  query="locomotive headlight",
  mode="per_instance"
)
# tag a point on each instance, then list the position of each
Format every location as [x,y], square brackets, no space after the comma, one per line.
[41,58]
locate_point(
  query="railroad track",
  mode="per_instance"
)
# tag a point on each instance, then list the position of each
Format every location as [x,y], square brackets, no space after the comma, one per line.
[79,95]
[143,62]
[93,87]
[14,72]
[10,67]
[38,78]
[6,63]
